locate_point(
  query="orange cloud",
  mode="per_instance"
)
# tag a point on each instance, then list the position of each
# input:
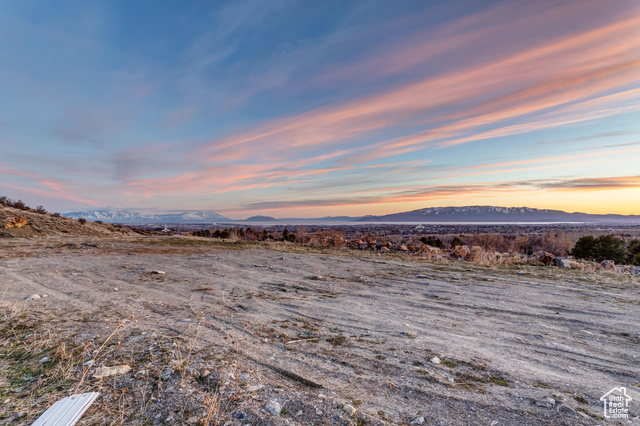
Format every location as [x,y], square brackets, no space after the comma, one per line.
[576,67]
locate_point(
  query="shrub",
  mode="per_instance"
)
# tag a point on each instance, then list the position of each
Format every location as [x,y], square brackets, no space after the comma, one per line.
[604,247]
[16,204]
[456,241]
[288,236]
[40,210]
[633,252]
[82,221]
[432,241]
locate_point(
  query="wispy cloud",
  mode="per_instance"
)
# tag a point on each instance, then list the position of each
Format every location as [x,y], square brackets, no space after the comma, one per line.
[267,107]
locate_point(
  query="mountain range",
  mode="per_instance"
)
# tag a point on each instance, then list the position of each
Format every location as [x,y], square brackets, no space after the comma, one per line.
[468,214]
[497,214]
[130,216]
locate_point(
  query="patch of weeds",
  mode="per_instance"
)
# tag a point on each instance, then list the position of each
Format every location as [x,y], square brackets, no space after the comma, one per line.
[381,357]
[543,385]
[470,381]
[595,416]
[500,381]
[418,363]
[356,402]
[383,416]
[580,399]
[337,340]
[283,411]
[307,335]
[449,363]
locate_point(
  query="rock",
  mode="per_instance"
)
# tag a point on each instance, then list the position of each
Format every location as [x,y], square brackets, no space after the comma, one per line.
[461,252]
[608,265]
[319,412]
[435,360]
[88,363]
[562,262]
[111,371]
[349,409]
[402,247]
[158,272]
[415,246]
[567,410]
[16,222]
[337,241]
[34,297]
[363,246]
[384,250]
[547,402]
[418,421]
[255,388]
[167,373]
[21,414]
[45,359]
[274,407]
[239,415]
[544,257]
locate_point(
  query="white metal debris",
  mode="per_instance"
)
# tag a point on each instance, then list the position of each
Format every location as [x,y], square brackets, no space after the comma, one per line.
[67,411]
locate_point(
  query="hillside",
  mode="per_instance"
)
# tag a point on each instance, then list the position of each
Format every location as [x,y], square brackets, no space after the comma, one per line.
[28,223]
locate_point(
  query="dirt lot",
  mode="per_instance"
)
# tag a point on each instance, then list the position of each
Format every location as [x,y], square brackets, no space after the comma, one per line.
[322,332]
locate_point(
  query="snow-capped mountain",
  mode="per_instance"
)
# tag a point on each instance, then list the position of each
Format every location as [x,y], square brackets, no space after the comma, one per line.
[496,214]
[130,216]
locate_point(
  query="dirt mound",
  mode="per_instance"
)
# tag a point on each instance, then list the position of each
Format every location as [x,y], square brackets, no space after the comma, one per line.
[16,223]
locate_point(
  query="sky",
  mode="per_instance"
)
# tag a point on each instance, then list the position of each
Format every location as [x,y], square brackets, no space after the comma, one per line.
[295,108]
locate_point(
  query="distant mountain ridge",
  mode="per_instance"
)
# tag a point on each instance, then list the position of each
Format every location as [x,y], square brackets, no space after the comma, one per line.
[467,214]
[497,214]
[260,218]
[130,216]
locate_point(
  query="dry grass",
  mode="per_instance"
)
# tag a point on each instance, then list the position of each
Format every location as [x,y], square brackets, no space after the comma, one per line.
[43,358]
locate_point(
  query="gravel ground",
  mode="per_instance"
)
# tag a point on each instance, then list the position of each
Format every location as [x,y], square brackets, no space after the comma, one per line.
[396,339]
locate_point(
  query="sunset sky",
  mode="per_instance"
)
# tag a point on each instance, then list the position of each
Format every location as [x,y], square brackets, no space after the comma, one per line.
[314,108]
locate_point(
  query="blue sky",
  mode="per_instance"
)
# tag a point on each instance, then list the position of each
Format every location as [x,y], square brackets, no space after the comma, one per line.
[296,108]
